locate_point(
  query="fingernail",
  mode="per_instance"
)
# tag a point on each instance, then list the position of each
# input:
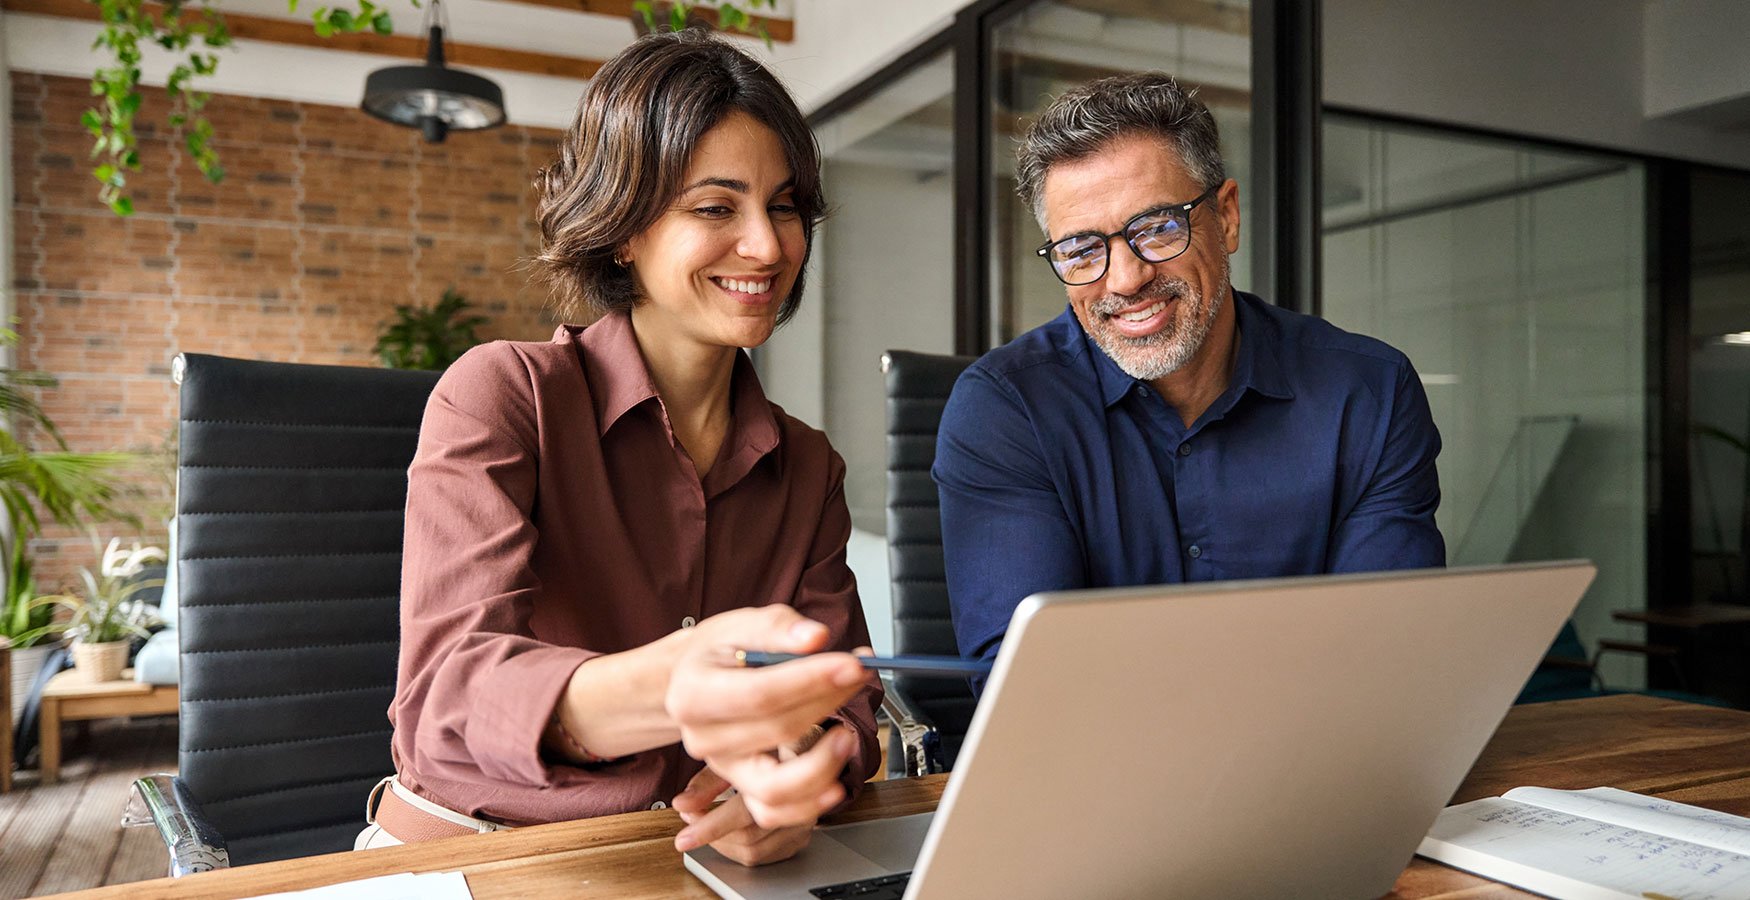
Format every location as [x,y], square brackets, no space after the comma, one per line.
[685,841]
[844,742]
[807,629]
[848,676]
[830,798]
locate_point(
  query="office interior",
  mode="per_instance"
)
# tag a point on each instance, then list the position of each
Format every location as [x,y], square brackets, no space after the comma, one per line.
[1542,204]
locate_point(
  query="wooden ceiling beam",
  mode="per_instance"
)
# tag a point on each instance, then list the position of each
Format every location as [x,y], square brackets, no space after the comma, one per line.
[781,30]
[302,34]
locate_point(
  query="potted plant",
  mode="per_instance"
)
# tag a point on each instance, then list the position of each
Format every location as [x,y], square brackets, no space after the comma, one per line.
[107,614]
[58,485]
[429,338]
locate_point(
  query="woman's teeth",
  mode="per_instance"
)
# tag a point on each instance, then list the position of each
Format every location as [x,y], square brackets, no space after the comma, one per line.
[745,287]
[1145,314]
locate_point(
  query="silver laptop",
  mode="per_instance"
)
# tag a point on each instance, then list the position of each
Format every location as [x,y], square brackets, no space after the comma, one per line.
[1236,739]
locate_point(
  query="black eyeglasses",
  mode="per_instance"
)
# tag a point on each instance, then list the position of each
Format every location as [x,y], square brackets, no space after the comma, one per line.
[1154,235]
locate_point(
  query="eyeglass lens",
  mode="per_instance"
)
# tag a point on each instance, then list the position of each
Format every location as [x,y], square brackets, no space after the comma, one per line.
[1156,237]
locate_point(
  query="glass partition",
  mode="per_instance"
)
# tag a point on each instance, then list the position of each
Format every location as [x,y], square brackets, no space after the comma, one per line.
[1514,278]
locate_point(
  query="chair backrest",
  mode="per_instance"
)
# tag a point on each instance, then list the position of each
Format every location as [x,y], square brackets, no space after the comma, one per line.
[918,385]
[291,484]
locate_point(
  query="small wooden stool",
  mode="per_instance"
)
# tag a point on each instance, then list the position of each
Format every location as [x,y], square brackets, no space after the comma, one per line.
[70,698]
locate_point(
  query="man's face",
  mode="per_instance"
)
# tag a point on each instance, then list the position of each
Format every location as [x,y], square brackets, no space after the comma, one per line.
[1151,318]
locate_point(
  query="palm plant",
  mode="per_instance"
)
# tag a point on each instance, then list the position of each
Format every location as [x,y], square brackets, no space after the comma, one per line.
[57,485]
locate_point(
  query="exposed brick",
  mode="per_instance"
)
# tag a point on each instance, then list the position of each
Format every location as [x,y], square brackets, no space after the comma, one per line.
[327,219]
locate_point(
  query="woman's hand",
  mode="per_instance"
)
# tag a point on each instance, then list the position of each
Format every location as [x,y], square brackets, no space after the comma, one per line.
[730,828]
[737,720]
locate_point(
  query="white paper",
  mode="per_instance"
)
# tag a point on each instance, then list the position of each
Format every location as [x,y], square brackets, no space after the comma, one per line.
[1582,857]
[405,886]
[1722,831]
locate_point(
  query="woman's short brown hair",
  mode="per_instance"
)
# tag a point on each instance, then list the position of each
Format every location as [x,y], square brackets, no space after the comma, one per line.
[621,162]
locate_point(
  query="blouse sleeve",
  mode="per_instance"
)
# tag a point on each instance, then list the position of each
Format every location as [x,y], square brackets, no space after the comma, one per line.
[475,680]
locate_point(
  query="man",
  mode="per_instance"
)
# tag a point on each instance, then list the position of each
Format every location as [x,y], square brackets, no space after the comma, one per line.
[1167,428]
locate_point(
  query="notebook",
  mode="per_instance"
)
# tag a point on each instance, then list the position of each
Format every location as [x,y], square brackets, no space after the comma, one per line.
[1596,844]
[1291,737]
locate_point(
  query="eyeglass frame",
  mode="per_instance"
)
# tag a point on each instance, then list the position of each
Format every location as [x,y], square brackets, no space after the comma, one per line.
[1106,238]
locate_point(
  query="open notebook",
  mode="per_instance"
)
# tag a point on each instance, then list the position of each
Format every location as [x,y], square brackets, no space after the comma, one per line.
[1596,844]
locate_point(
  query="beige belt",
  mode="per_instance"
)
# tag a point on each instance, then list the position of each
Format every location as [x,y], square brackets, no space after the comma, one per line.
[411,819]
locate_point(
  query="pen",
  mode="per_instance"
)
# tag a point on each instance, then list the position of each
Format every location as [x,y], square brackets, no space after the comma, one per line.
[937,666]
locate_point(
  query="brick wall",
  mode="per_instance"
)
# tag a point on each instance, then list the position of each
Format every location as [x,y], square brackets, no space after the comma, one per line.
[326,220]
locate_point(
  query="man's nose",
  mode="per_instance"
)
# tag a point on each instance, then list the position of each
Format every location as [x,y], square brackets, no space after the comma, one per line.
[1126,273]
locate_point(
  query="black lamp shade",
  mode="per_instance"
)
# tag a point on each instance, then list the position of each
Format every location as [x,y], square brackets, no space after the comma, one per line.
[434,98]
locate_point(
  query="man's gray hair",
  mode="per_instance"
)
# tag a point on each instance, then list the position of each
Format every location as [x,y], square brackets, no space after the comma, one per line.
[1083,119]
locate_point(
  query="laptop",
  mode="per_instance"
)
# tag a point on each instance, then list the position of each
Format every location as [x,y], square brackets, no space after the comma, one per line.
[1232,739]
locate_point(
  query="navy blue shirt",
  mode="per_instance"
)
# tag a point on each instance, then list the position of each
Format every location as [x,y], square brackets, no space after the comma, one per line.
[1057,470]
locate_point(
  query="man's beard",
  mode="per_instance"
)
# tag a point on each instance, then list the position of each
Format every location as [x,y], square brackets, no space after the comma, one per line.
[1169,349]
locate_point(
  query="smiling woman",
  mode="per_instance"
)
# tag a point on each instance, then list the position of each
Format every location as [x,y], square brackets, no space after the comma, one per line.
[596,523]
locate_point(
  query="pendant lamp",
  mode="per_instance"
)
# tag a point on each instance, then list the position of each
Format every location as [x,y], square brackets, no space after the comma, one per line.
[434,98]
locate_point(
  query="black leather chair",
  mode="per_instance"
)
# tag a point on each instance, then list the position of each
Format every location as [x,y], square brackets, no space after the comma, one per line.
[931,714]
[291,485]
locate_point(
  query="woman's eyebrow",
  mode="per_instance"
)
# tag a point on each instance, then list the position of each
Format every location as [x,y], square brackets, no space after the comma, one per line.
[732,184]
[736,185]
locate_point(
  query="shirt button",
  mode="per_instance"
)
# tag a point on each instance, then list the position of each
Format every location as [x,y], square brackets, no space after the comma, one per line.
[659,805]
[689,622]
[1195,551]
[1185,449]
[1142,390]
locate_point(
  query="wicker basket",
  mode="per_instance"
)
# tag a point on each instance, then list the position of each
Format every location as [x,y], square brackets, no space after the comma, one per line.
[100,662]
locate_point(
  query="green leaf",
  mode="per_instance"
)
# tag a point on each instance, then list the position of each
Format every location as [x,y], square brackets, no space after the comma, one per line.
[677,17]
[103,172]
[122,206]
[382,24]
[92,121]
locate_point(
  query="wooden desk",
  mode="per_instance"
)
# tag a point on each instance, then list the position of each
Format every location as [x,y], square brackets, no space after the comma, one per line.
[1691,617]
[68,697]
[1692,753]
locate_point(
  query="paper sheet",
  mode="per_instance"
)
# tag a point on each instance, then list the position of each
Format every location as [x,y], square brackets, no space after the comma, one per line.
[405,886]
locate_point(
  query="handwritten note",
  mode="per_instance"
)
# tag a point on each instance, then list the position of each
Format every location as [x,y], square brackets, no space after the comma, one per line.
[1587,844]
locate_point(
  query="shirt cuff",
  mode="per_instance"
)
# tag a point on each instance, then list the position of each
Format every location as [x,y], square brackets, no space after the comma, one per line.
[514,702]
[863,763]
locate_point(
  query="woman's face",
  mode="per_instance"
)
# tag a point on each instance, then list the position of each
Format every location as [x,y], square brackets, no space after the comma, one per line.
[718,264]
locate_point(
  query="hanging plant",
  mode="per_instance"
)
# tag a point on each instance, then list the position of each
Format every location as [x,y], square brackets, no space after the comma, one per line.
[195,31]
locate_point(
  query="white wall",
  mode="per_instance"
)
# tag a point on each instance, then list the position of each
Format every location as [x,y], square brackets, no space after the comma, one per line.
[1551,68]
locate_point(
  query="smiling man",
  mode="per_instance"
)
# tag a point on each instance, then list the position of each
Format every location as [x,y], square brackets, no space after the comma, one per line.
[1166,427]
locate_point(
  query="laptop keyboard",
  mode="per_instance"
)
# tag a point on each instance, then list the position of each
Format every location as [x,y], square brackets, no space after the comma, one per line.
[887,887]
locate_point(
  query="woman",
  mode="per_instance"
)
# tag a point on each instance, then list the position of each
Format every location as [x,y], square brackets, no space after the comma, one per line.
[595,524]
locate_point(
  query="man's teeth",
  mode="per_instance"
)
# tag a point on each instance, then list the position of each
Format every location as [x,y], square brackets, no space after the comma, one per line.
[1144,314]
[746,287]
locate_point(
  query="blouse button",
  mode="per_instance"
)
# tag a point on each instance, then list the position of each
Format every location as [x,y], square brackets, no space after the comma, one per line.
[1195,551]
[1185,449]
[689,622]
[659,805]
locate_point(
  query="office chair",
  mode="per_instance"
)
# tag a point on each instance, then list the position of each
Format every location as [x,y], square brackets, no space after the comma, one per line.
[291,484]
[930,714]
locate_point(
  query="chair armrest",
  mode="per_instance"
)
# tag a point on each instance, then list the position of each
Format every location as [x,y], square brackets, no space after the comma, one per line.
[919,743]
[162,801]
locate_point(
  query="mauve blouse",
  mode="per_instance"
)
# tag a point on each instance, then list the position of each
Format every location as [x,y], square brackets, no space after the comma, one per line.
[552,517]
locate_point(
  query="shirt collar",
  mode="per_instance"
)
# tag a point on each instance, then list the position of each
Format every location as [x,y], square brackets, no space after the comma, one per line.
[1258,368]
[620,381]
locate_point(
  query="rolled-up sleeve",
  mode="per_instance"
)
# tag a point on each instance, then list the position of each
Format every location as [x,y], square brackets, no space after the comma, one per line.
[828,594]
[479,685]
[1391,525]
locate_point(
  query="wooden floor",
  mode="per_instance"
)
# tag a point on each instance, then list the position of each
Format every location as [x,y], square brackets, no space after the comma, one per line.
[67,836]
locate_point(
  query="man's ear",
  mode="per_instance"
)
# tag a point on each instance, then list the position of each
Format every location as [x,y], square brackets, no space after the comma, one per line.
[1227,199]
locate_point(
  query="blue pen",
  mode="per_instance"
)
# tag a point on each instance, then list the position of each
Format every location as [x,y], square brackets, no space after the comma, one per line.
[934,666]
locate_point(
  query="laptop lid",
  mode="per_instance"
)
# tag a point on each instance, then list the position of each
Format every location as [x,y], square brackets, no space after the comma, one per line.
[1235,739]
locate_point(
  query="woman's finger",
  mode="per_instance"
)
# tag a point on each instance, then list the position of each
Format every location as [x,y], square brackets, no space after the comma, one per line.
[790,792]
[729,817]
[700,792]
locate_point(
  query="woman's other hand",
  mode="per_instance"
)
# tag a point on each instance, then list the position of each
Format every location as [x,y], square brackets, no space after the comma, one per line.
[730,828]
[738,719]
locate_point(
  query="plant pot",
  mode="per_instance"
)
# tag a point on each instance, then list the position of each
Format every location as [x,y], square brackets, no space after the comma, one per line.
[100,662]
[26,663]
